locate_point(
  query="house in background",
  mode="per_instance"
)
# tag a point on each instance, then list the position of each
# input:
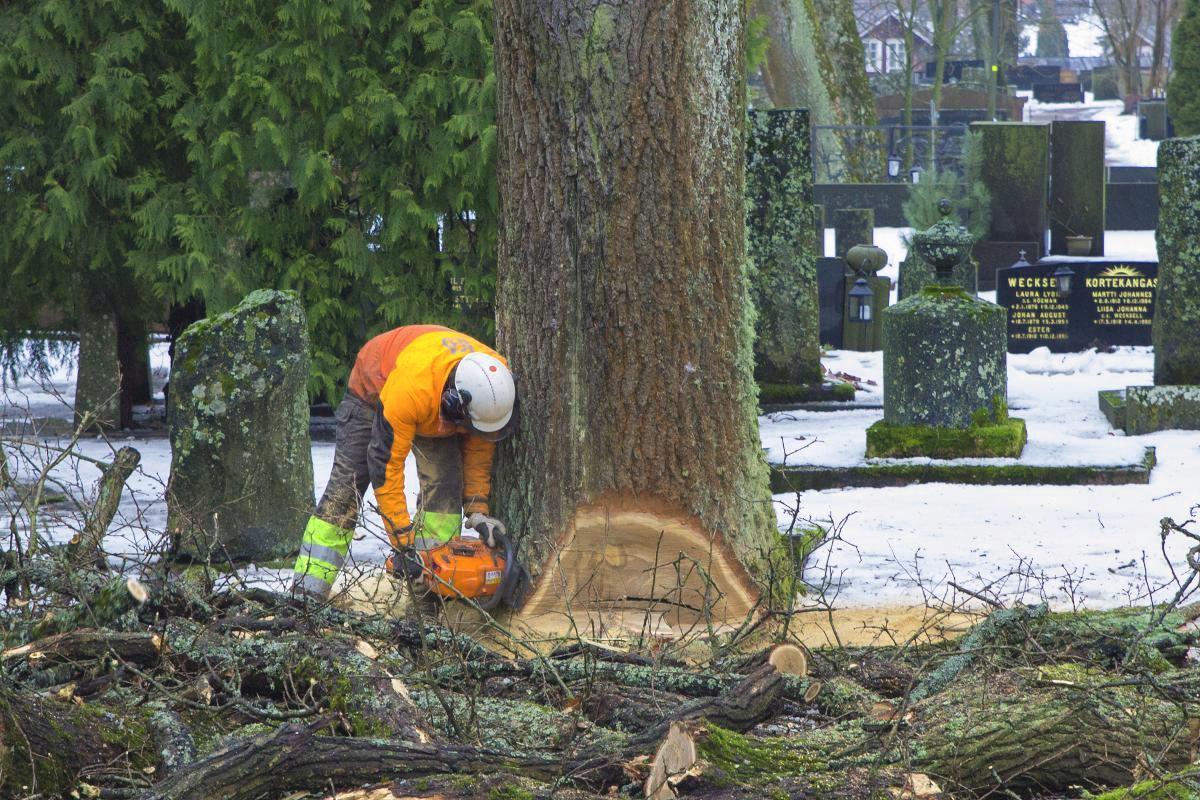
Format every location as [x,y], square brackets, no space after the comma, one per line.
[882,34]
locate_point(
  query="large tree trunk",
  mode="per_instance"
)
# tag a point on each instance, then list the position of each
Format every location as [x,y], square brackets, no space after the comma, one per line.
[623,305]
[98,382]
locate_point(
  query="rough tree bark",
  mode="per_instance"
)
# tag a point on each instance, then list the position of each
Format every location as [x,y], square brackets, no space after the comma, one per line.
[622,301]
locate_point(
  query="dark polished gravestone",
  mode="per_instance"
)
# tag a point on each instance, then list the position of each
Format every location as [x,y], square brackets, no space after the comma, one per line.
[831,293]
[1111,303]
[1058,92]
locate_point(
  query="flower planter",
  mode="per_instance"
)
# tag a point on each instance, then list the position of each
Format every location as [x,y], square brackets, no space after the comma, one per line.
[1079,245]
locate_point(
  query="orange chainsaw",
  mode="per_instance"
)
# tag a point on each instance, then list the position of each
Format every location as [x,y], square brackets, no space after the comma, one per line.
[467,568]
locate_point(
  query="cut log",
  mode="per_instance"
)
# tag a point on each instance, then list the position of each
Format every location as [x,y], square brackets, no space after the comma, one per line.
[48,747]
[639,571]
[991,733]
[85,644]
[740,708]
[789,659]
[837,697]
[296,758]
[674,757]
[85,546]
[338,671]
[995,631]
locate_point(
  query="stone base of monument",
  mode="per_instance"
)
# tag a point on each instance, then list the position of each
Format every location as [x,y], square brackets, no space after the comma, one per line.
[1002,439]
[884,473]
[1146,409]
[774,394]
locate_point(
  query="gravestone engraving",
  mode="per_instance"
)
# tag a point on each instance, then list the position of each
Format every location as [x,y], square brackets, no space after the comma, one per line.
[1111,303]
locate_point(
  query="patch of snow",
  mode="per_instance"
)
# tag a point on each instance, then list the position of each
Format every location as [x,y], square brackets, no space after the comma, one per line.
[1069,544]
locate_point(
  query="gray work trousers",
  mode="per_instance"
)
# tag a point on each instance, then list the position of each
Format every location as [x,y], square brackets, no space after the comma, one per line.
[439,469]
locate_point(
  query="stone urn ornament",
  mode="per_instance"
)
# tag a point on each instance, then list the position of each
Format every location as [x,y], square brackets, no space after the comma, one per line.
[945,245]
[945,362]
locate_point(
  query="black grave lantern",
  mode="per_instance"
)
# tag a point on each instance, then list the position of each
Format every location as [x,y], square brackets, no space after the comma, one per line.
[861,298]
[1063,277]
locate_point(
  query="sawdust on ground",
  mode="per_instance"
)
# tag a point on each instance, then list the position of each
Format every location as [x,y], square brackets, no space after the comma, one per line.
[372,591]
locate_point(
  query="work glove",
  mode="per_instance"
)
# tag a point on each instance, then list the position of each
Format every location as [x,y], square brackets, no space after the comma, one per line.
[407,563]
[487,527]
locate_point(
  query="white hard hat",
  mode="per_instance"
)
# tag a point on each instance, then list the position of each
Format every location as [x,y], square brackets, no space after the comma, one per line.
[487,390]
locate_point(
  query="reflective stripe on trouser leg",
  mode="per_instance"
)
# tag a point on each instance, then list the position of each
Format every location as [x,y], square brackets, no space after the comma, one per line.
[322,552]
[440,469]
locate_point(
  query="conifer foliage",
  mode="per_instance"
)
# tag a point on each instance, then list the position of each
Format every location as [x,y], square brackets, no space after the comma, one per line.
[200,149]
[1183,93]
[82,137]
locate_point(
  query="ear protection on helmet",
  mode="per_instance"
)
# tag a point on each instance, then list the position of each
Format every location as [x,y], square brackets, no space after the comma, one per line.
[454,404]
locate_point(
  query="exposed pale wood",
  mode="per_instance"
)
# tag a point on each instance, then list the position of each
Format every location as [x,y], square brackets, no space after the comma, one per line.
[628,569]
[674,756]
[84,643]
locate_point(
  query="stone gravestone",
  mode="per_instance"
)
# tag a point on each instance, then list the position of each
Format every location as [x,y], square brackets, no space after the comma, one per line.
[1111,303]
[819,230]
[1153,121]
[831,288]
[1016,171]
[241,463]
[1058,92]
[1173,402]
[1077,184]
[945,366]
[851,227]
[780,237]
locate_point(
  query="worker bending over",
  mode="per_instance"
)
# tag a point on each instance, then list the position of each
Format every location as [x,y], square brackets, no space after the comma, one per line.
[422,388]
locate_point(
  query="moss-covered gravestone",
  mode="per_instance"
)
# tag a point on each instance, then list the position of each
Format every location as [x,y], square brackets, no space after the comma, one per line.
[1016,171]
[1174,400]
[241,464]
[1077,184]
[945,365]
[852,227]
[781,240]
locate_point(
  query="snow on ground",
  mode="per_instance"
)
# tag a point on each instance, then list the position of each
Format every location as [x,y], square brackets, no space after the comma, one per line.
[1094,545]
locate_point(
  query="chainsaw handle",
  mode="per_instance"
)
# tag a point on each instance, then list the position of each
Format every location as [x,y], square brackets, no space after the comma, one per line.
[510,567]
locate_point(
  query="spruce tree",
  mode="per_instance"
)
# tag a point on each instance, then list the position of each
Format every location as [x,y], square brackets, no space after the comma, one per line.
[1183,93]
[340,148]
[83,137]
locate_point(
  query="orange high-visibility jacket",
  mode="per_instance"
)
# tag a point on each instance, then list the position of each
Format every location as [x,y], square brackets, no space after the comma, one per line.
[402,373]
